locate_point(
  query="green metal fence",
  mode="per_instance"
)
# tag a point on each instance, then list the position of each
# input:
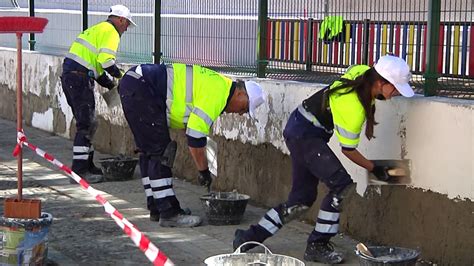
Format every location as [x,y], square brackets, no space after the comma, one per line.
[283,39]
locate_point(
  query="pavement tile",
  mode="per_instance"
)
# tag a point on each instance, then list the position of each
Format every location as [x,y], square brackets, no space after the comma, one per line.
[82,234]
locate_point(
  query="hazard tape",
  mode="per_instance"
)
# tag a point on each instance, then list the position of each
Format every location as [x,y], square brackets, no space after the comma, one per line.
[156,256]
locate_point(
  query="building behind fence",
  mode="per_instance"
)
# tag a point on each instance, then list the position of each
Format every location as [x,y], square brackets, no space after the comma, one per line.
[278,38]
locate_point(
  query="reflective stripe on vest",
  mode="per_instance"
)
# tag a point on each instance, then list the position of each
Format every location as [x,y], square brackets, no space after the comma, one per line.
[196,96]
[347,110]
[96,47]
[175,96]
[83,63]
[311,118]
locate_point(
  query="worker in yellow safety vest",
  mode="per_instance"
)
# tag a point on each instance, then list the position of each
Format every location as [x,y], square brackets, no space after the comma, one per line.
[91,55]
[156,97]
[342,108]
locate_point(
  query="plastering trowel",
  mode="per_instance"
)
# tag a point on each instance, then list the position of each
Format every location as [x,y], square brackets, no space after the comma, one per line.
[399,170]
[362,249]
[111,97]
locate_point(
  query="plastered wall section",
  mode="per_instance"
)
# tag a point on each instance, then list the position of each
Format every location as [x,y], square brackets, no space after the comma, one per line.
[436,134]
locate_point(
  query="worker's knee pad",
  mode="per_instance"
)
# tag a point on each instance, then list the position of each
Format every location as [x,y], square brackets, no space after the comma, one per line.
[289,213]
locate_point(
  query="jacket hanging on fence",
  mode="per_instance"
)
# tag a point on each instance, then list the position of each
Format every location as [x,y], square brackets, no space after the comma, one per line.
[331,28]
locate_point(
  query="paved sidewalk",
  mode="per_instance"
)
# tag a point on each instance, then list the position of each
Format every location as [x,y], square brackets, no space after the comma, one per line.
[82,234]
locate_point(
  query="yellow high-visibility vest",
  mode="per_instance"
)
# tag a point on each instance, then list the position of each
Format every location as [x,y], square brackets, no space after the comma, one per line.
[347,111]
[196,96]
[96,47]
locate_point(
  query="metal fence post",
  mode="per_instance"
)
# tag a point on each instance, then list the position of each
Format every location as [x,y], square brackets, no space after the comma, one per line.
[85,19]
[157,33]
[431,75]
[262,58]
[309,44]
[31,11]
[365,42]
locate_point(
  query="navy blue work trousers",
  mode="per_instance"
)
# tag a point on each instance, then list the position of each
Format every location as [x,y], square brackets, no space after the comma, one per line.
[312,161]
[146,115]
[78,88]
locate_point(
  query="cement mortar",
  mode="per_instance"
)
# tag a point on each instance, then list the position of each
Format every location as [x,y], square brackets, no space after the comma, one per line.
[34,104]
[59,122]
[8,106]
[113,139]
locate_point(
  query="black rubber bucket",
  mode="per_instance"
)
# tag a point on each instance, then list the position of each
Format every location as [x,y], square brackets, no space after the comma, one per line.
[24,241]
[389,256]
[224,208]
[118,168]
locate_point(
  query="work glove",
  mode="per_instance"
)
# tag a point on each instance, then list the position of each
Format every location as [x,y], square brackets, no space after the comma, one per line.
[106,82]
[381,172]
[204,178]
[113,85]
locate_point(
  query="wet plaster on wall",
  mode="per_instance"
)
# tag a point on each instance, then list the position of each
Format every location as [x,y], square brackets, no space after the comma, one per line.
[440,141]
[8,103]
[116,139]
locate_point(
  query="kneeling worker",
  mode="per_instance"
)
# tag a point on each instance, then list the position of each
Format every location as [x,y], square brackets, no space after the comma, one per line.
[158,97]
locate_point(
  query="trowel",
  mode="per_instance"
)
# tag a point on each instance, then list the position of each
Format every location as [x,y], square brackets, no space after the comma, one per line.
[399,170]
[111,97]
[364,250]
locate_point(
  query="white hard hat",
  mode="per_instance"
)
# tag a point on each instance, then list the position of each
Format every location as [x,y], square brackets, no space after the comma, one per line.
[256,96]
[122,11]
[396,71]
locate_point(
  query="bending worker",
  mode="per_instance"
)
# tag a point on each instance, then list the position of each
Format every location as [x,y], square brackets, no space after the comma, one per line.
[158,97]
[91,54]
[342,108]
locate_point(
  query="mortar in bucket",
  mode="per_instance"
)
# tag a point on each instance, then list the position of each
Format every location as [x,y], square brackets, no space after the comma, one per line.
[24,241]
[118,168]
[256,259]
[224,208]
[388,256]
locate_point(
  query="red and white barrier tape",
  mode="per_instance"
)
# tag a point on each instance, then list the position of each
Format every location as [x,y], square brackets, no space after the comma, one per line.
[145,245]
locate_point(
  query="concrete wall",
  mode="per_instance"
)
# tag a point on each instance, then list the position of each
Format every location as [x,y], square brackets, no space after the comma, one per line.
[435,214]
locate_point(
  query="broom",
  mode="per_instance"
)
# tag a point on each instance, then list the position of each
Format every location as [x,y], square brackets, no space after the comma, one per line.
[19,207]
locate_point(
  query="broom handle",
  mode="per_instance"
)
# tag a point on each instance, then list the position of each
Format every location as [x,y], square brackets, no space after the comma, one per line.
[19,108]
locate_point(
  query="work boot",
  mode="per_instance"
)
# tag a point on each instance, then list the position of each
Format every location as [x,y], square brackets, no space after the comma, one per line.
[239,239]
[155,216]
[89,177]
[92,168]
[322,252]
[180,220]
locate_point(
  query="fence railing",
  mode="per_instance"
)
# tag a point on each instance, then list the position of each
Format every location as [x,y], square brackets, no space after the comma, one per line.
[297,41]
[278,38]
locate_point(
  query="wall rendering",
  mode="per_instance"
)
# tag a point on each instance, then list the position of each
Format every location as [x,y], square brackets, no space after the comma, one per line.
[434,214]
